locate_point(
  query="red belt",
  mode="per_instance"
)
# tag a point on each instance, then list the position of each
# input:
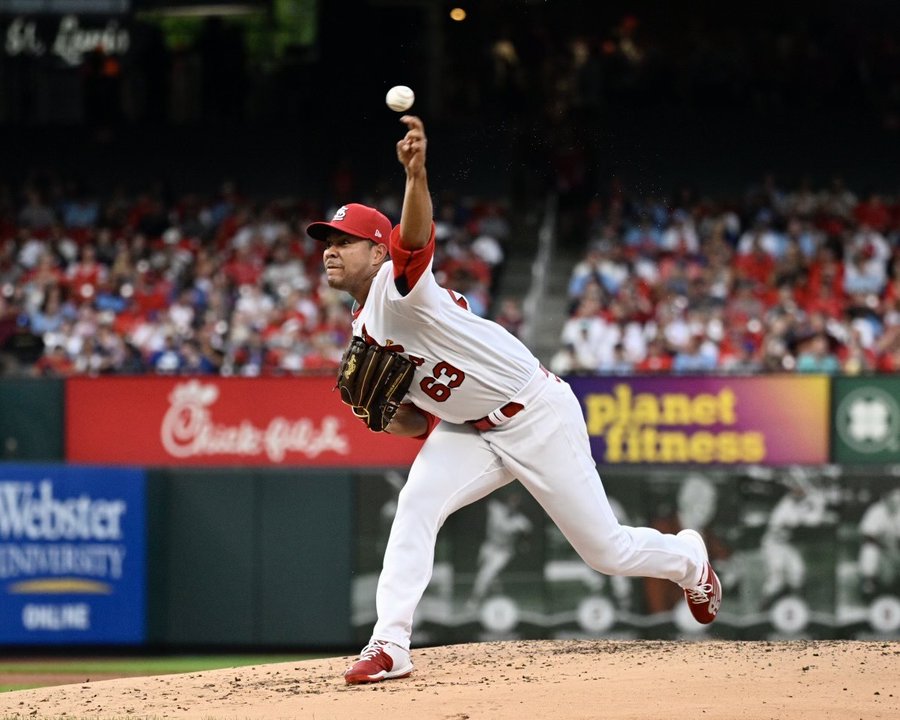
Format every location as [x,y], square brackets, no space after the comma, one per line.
[508,410]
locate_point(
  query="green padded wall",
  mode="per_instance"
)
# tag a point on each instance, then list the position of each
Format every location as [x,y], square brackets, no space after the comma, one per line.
[249,557]
[31,419]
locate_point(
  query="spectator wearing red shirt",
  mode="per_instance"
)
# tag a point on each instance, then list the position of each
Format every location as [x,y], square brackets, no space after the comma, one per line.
[245,267]
[55,362]
[150,293]
[86,274]
[657,360]
[468,263]
[826,269]
[826,302]
[129,318]
[873,212]
[756,264]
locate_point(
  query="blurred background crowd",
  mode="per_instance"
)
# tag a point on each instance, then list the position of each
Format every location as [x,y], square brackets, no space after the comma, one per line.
[802,279]
[725,179]
[148,283]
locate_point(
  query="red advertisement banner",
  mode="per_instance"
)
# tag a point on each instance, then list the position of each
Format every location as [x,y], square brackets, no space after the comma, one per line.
[221,421]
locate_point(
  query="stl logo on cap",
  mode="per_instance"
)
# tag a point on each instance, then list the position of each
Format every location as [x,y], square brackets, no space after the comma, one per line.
[357,220]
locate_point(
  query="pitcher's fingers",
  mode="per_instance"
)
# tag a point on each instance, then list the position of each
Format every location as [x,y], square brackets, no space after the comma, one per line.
[413,122]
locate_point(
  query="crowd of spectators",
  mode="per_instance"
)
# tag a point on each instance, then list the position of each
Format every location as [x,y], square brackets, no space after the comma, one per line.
[224,284]
[800,280]
[805,280]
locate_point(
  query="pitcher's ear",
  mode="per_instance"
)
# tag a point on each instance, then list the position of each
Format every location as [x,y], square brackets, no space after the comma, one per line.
[381,252]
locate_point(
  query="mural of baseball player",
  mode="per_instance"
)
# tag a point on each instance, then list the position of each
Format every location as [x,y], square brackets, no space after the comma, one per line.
[803,505]
[598,600]
[502,417]
[389,508]
[505,525]
[695,506]
[879,552]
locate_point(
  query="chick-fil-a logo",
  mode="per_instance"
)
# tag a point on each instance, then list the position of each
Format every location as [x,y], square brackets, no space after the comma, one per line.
[188,430]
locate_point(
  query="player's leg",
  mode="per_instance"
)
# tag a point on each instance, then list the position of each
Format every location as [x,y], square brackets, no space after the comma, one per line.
[455,467]
[548,450]
[869,564]
[492,562]
[774,559]
[795,568]
[889,570]
[621,587]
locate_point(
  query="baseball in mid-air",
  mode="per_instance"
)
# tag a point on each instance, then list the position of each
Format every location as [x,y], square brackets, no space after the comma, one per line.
[400,98]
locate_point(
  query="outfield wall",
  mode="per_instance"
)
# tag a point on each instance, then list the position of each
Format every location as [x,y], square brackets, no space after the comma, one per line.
[183,513]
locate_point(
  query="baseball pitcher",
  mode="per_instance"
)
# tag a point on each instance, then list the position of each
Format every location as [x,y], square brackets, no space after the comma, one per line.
[424,366]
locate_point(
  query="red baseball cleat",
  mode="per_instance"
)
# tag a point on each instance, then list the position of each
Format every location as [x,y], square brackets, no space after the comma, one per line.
[379,660]
[704,599]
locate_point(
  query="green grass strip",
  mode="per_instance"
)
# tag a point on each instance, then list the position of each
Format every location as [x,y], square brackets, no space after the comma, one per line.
[159,666]
[124,667]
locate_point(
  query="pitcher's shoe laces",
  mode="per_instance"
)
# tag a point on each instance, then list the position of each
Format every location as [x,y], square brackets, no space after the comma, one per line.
[704,599]
[379,660]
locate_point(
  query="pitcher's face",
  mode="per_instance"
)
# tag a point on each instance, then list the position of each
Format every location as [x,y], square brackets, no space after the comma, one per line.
[351,262]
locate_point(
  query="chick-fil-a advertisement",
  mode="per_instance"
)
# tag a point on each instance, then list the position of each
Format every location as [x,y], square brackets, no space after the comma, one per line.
[222,421]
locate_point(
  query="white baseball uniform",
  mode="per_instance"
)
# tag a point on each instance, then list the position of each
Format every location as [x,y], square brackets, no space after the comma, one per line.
[785,566]
[504,525]
[468,369]
[879,554]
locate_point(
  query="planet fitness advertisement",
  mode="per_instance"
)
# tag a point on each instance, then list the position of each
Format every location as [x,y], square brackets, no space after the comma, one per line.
[706,420]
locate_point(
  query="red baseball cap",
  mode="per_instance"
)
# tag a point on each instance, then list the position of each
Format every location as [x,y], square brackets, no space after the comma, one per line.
[354,219]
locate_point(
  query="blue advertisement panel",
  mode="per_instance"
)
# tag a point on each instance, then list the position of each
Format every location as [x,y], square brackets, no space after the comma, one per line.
[72,555]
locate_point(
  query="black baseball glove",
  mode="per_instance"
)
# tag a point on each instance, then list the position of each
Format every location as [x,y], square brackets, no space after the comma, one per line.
[373,381]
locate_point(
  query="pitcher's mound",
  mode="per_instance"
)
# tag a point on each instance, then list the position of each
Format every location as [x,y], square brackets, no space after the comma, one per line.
[547,679]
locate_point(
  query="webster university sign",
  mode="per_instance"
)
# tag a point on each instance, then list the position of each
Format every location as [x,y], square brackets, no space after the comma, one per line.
[72,555]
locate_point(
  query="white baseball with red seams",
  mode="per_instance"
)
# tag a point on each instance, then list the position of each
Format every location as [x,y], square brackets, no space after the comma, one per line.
[468,368]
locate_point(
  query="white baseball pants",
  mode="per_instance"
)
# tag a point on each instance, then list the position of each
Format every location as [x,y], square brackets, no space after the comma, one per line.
[546,448]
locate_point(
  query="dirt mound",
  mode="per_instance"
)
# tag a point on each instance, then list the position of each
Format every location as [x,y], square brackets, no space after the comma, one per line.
[588,679]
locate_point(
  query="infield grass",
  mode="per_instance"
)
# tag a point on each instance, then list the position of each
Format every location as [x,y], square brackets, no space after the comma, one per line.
[82,669]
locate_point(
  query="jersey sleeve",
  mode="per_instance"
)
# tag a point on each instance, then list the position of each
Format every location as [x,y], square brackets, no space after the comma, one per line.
[409,265]
[432,421]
